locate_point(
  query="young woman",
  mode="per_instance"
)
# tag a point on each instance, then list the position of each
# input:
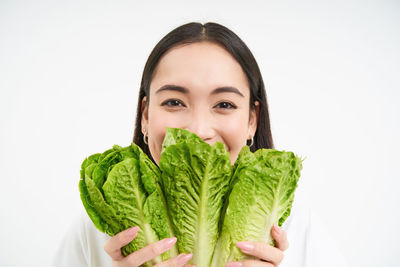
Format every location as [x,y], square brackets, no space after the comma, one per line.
[202,78]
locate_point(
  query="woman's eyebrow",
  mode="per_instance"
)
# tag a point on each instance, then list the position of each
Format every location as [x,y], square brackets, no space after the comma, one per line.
[170,87]
[225,89]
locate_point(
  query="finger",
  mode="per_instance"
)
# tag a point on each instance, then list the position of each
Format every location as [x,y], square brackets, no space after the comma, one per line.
[151,251]
[262,251]
[180,260]
[249,263]
[280,237]
[113,246]
[256,263]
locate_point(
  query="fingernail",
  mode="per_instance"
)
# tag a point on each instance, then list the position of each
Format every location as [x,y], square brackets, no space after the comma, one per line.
[133,231]
[169,242]
[277,229]
[184,258]
[234,264]
[245,246]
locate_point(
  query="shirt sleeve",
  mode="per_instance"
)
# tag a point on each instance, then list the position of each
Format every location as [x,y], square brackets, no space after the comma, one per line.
[310,244]
[82,246]
[322,249]
[72,249]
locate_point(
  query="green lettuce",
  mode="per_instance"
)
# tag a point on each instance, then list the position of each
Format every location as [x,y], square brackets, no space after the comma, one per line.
[195,177]
[120,188]
[195,194]
[261,195]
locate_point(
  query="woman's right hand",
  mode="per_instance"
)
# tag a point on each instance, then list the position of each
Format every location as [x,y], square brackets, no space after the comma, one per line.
[114,244]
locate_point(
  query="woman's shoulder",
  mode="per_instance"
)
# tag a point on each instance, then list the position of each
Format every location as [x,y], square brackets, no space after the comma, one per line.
[310,243]
[94,241]
[82,245]
[299,218]
[88,228]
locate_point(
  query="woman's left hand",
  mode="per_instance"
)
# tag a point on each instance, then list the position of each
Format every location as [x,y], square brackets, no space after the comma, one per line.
[266,255]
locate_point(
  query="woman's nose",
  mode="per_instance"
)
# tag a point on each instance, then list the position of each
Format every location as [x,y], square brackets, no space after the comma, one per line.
[201,125]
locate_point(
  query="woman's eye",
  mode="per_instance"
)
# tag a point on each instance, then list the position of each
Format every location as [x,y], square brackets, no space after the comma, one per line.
[225,105]
[173,103]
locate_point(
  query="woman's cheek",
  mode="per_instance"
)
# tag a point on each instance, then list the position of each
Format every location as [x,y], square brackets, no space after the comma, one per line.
[157,129]
[161,118]
[234,131]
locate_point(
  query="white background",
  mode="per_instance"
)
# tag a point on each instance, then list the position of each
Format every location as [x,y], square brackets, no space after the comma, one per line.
[69,79]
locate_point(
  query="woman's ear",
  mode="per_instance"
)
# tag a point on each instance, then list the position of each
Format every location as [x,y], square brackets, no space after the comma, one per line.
[145,114]
[253,120]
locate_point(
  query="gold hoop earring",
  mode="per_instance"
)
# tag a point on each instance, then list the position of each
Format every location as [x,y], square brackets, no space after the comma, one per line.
[144,139]
[251,141]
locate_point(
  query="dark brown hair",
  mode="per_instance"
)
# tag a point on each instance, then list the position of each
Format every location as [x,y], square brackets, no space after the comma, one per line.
[212,32]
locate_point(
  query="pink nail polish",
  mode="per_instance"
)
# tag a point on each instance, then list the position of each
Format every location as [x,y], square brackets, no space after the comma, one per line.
[169,242]
[234,264]
[277,229]
[245,246]
[184,258]
[133,231]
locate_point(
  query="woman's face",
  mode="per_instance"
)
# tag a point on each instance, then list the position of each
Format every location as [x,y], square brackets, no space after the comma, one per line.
[201,88]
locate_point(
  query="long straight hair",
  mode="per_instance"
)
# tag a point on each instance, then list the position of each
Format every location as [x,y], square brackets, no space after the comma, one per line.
[216,33]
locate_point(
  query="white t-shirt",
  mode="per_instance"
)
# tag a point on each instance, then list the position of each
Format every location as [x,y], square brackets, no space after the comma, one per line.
[309,244]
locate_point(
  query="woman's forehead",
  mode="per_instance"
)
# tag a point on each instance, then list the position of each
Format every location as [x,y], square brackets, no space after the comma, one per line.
[199,65]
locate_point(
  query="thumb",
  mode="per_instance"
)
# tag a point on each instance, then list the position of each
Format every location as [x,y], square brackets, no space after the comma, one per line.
[280,238]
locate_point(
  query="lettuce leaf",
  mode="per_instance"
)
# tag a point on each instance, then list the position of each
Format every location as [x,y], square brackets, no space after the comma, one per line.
[120,189]
[262,192]
[195,177]
[195,194]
